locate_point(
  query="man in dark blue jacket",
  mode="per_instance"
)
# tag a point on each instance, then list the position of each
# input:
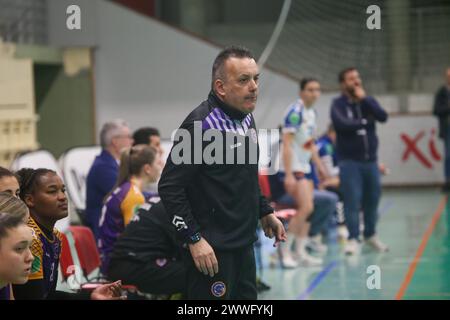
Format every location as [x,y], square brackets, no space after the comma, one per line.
[441,109]
[354,116]
[114,137]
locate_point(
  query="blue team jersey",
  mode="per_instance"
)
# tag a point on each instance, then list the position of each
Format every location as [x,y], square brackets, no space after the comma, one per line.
[326,148]
[327,152]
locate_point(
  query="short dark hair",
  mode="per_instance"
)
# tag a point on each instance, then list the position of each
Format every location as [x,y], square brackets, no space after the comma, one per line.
[142,135]
[343,73]
[229,52]
[6,173]
[304,82]
[9,221]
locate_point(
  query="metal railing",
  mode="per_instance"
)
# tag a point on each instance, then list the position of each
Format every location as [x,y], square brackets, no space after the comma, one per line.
[23,21]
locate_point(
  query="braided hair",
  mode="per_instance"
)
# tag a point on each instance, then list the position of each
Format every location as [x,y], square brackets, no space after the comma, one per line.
[28,180]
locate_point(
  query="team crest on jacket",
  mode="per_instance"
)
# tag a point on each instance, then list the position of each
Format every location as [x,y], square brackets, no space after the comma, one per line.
[218,289]
[161,262]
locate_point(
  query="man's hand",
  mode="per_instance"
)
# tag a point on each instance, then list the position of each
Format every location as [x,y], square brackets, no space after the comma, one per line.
[290,183]
[110,291]
[272,226]
[383,169]
[204,257]
[359,93]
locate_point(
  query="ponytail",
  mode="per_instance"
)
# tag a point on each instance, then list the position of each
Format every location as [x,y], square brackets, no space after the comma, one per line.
[131,162]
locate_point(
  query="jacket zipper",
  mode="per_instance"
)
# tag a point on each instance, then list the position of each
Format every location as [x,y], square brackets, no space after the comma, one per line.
[365,138]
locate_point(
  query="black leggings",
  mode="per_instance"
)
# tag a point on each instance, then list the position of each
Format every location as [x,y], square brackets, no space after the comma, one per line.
[158,276]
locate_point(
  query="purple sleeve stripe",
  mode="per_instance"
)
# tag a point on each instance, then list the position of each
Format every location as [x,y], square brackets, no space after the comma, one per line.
[214,121]
[207,124]
[221,124]
[248,121]
[245,126]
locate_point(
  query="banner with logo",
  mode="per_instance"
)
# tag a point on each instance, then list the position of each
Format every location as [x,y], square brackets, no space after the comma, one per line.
[411,149]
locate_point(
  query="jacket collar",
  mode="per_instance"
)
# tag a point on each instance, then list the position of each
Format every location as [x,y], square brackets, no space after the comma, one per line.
[233,113]
[346,99]
[108,157]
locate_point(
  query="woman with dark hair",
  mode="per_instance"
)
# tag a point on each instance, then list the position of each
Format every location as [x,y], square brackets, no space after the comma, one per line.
[9,182]
[43,192]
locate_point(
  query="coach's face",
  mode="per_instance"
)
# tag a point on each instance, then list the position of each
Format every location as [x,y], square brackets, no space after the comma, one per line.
[239,88]
[351,80]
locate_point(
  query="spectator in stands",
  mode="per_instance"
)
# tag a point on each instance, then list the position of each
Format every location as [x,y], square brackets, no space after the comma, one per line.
[298,148]
[114,137]
[354,115]
[441,109]
[15,255]
[148,254]
[43,192]
[323,207]
[149,136]
[326,145]
[8,182]
[139,166]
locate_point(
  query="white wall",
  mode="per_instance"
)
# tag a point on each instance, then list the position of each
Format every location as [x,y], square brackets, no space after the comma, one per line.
[58,33]
[151,74]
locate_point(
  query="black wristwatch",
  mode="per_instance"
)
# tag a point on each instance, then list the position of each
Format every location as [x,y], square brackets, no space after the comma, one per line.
[196,237]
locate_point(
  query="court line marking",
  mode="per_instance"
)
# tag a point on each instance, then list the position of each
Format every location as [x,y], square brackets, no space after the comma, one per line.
[421,249]
[317,280]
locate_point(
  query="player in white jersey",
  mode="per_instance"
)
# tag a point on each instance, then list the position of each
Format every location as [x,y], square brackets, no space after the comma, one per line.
[298,149]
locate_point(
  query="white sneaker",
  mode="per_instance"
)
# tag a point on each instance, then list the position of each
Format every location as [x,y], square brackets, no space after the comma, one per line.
[342,232]
[307,260]
[288,262]
[316,246]
[351,247]
[376,244]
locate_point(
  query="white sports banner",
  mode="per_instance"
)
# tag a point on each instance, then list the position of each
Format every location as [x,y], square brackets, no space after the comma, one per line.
[411,149]
[75,164]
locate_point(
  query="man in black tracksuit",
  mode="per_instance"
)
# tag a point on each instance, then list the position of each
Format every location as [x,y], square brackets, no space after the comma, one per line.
[210,189]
